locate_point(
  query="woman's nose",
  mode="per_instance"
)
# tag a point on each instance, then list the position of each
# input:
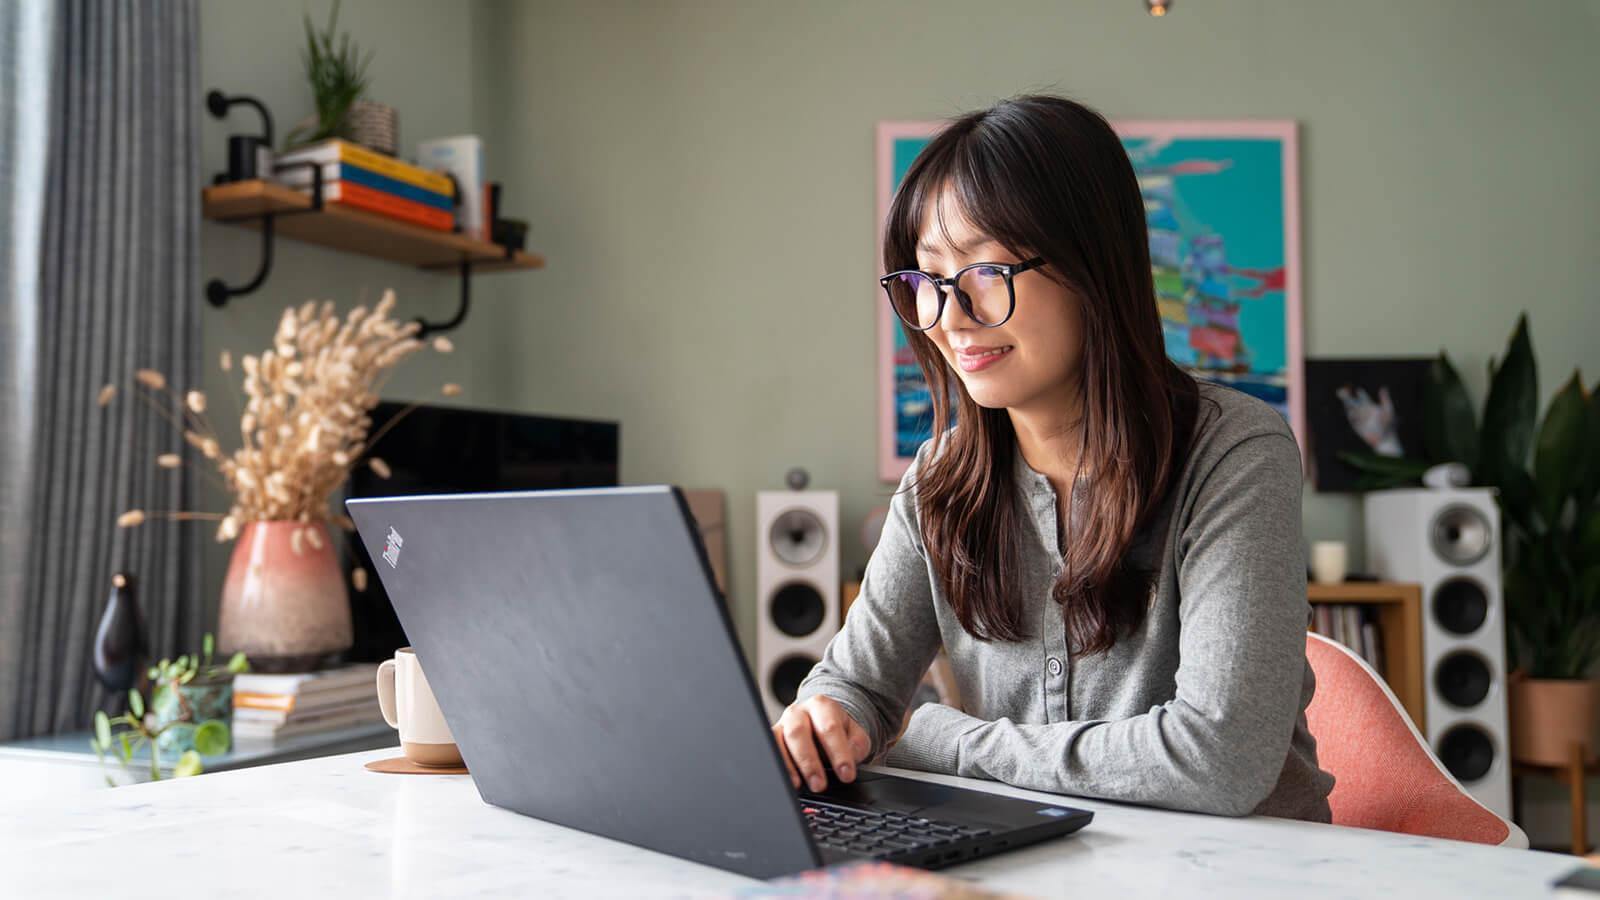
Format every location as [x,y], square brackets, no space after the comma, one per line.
[954,315]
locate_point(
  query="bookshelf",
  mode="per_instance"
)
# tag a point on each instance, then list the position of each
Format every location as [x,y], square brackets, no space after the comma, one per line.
[1399,613]
[248,203]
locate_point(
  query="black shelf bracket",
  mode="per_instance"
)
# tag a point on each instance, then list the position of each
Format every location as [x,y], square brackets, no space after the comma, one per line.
[466,300]
[461,311]
[217,103]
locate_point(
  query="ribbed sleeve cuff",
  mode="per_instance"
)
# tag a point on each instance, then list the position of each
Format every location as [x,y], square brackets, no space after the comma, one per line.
[932,740]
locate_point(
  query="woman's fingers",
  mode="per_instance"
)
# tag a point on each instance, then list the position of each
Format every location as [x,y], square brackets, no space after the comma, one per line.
[797,736]
[833,728]
[819,732]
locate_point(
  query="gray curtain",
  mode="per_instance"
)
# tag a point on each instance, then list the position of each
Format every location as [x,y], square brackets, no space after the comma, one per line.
[116,290]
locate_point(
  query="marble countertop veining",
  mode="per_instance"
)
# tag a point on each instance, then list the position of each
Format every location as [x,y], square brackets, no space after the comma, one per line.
[329,827]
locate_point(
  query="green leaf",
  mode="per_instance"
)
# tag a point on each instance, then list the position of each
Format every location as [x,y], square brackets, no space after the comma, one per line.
[102,728]
[1450,429]
[188,764]
[239,663]
[1384,471]
[127,749]
[211,738]
[1589,484]
[1511,407]
[208,643]
[1558,461]
[135,703]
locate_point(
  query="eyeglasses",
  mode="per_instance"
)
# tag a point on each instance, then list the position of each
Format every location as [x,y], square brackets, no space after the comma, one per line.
[983,289]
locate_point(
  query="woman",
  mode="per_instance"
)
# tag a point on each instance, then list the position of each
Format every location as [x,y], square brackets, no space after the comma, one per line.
[1148,647]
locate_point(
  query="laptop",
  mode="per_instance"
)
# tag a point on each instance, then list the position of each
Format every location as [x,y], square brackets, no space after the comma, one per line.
[591,677]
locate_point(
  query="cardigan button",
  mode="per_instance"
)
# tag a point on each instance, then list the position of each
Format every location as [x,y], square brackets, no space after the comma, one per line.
[1055,667]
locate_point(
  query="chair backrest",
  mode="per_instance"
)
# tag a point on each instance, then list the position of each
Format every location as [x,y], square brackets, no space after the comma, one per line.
[1385,775]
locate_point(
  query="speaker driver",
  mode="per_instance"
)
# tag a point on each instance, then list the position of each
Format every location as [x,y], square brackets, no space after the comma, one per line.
[787,675]
[797,609]
[1460,605]
[1463,679]
[1460,535]
[1467,752]
[797,537]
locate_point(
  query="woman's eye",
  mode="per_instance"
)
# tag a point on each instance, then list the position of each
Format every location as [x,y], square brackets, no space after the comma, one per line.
[988,272]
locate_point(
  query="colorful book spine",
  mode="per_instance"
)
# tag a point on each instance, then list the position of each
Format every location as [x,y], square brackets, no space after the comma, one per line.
[359,196]
[333,173]
[336,150]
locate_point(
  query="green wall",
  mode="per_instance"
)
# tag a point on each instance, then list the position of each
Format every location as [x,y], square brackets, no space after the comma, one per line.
[701,176]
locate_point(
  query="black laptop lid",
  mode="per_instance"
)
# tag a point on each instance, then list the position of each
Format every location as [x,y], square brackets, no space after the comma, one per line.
[587,670]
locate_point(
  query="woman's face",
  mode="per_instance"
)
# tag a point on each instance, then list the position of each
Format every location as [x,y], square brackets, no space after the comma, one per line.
[1038,346]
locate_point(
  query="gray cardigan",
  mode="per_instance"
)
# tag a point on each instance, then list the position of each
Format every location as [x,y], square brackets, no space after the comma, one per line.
[1202,708]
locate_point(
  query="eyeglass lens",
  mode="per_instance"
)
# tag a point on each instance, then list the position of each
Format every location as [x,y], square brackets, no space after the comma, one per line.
[915,297]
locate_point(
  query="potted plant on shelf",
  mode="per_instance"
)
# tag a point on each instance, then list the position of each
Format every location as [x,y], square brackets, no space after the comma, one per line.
[1546,473]
[303,427]
[187,717]
[338,76]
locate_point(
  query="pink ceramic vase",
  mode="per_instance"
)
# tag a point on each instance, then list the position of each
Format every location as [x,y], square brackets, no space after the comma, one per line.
[284,601]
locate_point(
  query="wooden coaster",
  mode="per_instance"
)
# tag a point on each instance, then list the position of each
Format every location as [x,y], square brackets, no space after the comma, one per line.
[400,765]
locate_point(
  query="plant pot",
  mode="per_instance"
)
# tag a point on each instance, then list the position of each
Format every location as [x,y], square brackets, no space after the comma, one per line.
[1549,715]
[284,601]
[207,700]
[374,125]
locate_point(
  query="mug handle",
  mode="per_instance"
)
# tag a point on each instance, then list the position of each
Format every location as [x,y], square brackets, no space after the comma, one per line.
[386,692]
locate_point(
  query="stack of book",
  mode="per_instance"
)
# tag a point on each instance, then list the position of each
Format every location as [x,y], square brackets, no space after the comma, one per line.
[267,707]
[355,176]
[1354,625]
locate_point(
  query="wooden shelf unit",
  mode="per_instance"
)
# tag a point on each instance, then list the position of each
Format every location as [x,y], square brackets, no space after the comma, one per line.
[354,230]
[1399,611]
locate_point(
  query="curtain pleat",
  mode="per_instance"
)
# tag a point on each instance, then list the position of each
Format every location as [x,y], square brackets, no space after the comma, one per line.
[118,291]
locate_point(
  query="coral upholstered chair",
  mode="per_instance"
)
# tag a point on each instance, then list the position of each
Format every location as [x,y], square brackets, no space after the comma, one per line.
[1386,777]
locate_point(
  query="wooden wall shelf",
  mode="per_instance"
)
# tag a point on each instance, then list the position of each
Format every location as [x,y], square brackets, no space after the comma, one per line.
[353,230]
[272,208]
[1399,611]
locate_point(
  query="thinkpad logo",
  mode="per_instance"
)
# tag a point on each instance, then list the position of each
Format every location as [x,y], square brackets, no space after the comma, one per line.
[391,548]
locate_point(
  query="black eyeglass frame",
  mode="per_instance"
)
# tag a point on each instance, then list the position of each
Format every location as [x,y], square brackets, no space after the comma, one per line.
[1007,270]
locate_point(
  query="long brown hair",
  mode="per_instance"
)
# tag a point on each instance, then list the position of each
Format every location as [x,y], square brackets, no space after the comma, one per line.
[1047,176]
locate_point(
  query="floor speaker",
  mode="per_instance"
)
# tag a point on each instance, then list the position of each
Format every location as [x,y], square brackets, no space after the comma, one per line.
[797,584]
[1448,541]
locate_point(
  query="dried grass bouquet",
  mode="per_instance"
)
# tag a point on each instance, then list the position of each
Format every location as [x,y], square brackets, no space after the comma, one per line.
[304,425]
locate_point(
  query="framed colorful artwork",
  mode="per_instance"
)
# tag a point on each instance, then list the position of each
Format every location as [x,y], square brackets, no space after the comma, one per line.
[1222,205]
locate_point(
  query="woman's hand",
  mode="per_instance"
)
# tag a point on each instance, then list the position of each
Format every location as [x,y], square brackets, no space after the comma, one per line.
[820,721]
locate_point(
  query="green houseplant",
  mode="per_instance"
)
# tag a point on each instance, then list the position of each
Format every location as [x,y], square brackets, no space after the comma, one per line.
[191,703]
[338,75]
[1546,472]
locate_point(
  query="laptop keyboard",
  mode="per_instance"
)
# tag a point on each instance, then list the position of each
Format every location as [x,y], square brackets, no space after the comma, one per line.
[879,832]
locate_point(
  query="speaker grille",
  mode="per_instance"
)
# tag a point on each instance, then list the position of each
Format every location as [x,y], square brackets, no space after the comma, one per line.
[1461,534]
[1462,679]
[1460,605]
[1467,751]
[784,682]
[797,609]
[798,537]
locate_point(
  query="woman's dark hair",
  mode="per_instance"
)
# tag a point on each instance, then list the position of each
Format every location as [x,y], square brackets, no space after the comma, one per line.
[1045,176]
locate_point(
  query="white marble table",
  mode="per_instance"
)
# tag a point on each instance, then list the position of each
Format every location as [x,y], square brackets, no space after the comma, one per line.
[327,827]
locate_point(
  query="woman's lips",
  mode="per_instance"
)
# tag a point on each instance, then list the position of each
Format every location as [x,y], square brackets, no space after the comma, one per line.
[977,362]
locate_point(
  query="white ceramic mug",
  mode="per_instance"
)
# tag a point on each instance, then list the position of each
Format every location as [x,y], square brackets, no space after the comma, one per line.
[1329,560]
[408,705]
